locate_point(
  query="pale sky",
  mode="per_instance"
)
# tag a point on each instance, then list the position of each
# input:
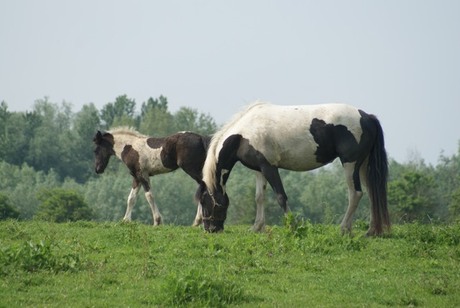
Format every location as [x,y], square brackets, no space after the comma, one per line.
[397,59]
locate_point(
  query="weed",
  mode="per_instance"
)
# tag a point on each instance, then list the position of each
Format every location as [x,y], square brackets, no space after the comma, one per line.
[295,225]
[201,290]
[32,257]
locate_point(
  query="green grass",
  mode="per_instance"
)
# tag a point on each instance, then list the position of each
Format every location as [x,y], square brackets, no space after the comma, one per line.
[87,264]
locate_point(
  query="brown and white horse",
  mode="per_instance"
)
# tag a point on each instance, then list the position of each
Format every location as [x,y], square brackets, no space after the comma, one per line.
[148,156]
[267,137]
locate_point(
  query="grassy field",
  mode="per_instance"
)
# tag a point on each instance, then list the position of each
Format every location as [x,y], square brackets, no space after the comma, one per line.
[89,264]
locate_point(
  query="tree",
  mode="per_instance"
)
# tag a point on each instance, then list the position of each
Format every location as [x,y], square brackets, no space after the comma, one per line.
[160,103]
[6,209]
[20,186]
[454,206]
[447,174]
[156,120]
[120,112]
[188,119]
[45,148]
[62,205]
[412,196]
[15,135]
[86,123]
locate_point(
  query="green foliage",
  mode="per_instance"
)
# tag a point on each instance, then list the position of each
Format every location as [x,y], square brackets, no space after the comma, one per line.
[188,119]
[6,209]
[61,205]
[120,112]
[79,158]
[412,196]
[454,206]
[41,256]
[20,186]
[201,290]
[156,120]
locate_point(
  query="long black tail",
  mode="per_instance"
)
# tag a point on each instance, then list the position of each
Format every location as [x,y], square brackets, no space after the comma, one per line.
[377,175]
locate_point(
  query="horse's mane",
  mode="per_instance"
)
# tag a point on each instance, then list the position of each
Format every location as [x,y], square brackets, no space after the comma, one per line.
[126,130]
[210,165]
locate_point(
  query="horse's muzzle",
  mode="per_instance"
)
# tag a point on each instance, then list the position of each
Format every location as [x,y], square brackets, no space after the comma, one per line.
[99,169]
[213,226]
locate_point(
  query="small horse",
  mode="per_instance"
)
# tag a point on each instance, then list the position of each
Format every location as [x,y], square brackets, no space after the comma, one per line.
[147,156]
[266,137]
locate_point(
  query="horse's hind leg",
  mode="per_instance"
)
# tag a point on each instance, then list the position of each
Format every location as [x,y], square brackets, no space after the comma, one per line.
[155,211]
[261,185]
[131,200]
[149,196]
[354,195]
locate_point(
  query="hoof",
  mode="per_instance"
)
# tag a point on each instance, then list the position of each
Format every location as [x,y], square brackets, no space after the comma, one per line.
[157,221]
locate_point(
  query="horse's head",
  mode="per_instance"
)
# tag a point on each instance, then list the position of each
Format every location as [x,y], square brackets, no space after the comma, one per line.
[103,150]
[214,203]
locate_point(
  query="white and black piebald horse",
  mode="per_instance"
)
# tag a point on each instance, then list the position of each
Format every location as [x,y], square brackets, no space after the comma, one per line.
[148,156]
[267,137]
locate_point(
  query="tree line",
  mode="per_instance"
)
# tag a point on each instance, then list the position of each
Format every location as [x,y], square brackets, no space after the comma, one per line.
[46,159]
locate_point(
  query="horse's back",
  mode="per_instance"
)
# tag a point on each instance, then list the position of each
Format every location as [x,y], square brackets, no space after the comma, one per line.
[283,134]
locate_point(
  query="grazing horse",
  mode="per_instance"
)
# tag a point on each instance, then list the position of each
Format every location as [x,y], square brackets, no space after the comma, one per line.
[147,156]
[267,137]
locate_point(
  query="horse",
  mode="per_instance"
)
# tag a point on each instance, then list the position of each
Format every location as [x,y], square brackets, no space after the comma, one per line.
[148,156]
[265,137]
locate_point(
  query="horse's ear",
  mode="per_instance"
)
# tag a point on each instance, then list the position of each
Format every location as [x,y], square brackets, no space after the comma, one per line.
[98,138]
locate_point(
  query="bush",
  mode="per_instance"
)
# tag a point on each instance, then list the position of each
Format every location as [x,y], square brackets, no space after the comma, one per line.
[6,209]
[62,205]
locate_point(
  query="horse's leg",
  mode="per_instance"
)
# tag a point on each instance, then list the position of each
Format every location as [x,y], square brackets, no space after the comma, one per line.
[354,196]
[131,200]
[196,175]
[261,185]
[273,177]
[149,196]
[363,174]
[199,216]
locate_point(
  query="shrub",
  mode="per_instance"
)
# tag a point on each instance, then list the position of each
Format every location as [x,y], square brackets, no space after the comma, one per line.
[62,205]
[6,209]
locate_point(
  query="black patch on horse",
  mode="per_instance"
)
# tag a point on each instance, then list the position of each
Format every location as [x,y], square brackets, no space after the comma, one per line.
[227,157]
[131,158]
[155,143]
[333,141]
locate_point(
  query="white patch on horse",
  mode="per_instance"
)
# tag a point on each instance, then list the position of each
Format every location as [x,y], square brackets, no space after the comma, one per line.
[152,161]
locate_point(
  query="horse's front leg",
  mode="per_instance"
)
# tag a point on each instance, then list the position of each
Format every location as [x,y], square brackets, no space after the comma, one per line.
[199,216]
[261,185]
[273,177]
[149,196]
[131,200]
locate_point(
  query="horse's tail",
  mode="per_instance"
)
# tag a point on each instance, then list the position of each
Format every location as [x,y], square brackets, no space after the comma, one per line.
[377,175]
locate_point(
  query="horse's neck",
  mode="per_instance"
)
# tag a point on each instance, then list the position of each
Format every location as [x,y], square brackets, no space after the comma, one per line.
[122,140]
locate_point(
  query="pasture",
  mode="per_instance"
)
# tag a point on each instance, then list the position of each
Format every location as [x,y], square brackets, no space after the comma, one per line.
[88,264]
